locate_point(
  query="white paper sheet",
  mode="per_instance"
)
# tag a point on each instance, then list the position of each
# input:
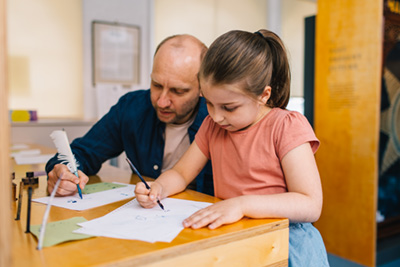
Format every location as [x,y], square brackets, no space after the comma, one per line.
[91,200]
[131,221]
[21,159]
[28,152]
[19,146]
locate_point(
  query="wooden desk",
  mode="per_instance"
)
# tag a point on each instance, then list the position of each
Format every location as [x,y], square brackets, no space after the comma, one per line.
[249,242]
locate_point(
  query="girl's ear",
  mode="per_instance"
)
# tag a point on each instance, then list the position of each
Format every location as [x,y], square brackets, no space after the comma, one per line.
[266,94]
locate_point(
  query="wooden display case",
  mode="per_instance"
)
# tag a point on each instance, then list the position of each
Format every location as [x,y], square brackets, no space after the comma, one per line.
[357,115]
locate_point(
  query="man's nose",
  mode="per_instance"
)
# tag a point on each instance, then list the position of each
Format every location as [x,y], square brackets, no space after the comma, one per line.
[164,99]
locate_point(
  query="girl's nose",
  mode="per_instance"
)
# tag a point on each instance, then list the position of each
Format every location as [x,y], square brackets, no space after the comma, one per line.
[217,116]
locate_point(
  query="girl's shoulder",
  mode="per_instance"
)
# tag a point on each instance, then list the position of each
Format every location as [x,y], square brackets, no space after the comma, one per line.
[284,112]
[291,128]
[208,126]
[208,122]
[278,116]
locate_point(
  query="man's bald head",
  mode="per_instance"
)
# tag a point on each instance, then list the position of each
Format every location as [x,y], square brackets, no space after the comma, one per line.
[181,41]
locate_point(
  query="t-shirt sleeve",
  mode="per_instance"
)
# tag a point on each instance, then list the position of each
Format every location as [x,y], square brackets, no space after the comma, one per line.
[203,136]
[293,131]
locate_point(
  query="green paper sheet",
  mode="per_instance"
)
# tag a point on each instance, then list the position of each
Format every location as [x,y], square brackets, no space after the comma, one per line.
[94,188]
[60,231]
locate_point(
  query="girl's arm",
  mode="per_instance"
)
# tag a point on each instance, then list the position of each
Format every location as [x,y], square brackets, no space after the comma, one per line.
[174,180]
[302,202]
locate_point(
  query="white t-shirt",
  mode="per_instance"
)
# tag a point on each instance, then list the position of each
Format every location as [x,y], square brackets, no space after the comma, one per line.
[176,143]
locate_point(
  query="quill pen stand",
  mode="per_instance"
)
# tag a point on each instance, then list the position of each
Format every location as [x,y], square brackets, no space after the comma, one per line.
[21,188]
[14,187]
[30,182]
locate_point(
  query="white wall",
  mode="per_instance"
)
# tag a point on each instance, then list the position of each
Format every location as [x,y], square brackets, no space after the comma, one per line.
[293,14]
[50,57]
[50,42]
[208,19]
[45,56]
[133,12]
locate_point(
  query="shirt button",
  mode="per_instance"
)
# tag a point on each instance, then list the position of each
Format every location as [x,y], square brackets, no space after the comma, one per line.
[155,167]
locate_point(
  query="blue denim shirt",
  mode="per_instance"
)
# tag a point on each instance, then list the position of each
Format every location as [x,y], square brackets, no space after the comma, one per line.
[132,126]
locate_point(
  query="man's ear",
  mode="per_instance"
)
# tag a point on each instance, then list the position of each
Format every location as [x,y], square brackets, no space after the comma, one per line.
[266,94]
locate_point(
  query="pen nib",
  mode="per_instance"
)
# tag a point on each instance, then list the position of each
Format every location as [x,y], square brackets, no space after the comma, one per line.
[161,205]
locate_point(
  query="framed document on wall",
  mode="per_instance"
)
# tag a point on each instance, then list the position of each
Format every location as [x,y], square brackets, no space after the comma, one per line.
[115,53]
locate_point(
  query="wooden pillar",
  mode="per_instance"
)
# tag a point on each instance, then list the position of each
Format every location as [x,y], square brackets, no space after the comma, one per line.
[5,180]
[347,109]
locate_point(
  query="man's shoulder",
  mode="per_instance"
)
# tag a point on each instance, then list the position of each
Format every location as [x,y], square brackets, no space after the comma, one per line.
[137,96]
[203,112]
[138,99]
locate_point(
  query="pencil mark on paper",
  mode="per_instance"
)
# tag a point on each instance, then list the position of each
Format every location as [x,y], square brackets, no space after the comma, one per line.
[140,218]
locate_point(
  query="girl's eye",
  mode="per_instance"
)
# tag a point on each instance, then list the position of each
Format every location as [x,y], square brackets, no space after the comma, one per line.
[229,109]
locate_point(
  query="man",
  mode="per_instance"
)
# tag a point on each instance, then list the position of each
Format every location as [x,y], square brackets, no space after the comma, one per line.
[154,127]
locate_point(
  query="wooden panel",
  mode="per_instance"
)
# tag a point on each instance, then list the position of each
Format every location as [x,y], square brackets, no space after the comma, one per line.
[5,181]
[271,250]
[347,103]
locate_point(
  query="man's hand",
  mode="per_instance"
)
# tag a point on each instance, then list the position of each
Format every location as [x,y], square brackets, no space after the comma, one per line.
[68,182]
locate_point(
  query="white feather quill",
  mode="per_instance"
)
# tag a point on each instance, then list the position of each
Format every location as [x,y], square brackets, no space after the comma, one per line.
[61,142]
[46,215]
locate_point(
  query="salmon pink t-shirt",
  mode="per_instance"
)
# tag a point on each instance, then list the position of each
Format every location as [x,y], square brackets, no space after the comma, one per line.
[248,162]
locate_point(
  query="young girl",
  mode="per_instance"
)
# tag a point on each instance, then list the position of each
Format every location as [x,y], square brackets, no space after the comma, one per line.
[262,154]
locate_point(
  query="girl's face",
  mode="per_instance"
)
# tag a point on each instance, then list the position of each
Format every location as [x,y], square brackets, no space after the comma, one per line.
[231,108]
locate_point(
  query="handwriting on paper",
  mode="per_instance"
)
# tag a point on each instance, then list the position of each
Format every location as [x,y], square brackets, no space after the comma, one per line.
[131,221]
[94,199]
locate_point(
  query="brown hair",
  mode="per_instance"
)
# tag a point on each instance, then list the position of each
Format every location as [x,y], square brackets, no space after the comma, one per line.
[254,59]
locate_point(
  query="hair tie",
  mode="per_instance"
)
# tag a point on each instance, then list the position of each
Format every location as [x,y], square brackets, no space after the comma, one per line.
[260,34]
[266,39]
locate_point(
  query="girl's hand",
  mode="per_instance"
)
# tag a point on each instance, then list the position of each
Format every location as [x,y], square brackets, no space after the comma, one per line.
[147,198]
[223,212]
